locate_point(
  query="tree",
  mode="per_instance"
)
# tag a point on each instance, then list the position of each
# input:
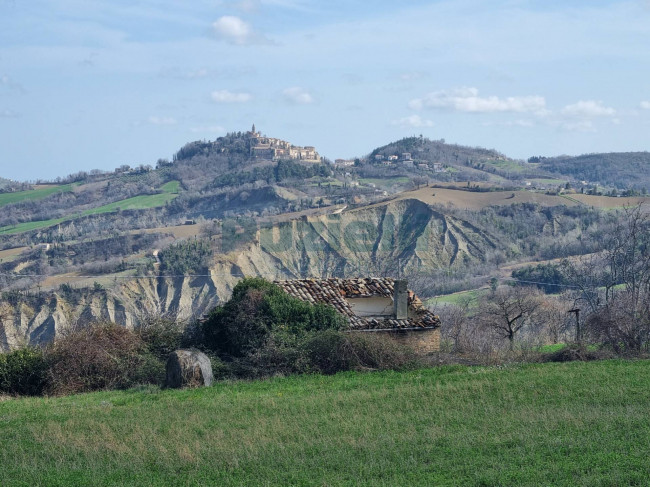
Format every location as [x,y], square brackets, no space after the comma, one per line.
[614,281]
[508,310]
[259,309]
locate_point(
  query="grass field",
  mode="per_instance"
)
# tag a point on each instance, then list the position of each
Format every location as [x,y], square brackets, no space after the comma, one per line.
[384,182]
[171,187]
[29,226]
[573,424]
[34,194]
[170,191]
[135,203]
[478,200]
[459,298]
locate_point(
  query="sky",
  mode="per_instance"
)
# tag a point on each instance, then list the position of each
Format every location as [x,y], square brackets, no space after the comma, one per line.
[95,84]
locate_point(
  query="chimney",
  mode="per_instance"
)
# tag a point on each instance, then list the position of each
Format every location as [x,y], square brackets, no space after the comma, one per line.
[400,299]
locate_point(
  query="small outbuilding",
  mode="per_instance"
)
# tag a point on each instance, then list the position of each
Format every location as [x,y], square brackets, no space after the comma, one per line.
[374,305]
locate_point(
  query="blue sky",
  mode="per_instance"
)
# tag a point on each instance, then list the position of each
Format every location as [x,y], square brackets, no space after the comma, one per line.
[93,84]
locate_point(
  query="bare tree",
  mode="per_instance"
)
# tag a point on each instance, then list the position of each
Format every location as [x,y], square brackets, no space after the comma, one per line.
[507,310]
[614,282]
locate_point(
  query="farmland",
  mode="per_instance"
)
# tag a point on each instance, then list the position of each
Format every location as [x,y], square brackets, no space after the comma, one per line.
[39,193]
[571,424]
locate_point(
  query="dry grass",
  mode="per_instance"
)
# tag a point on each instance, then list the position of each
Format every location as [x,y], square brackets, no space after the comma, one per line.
[477,200]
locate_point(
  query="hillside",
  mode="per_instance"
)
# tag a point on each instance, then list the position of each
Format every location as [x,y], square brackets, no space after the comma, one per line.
[621,170]
[441,161]
[403,236]
[98,245]
[571,424]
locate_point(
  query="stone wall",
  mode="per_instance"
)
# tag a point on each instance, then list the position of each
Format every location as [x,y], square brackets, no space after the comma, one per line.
[422,341]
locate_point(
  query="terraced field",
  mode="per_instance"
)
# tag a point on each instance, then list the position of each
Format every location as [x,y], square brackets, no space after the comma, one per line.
[34,194]
[169,192]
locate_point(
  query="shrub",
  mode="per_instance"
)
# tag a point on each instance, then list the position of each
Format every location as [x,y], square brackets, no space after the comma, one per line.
[575,352]
[185,257]
[257,309]
[281,354]
[333,351]
[23,372]
[100,356]
[161,335]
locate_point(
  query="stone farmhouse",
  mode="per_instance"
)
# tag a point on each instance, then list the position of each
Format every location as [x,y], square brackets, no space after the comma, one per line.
[269,148]
[374,305]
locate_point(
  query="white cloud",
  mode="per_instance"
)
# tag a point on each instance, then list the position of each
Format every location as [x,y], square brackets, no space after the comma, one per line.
[225,96]
[645,105]
[236,31]
[209,129]
[413,121]
[579,126]
[588,109]
[298,95]
[468,100]
[154,120]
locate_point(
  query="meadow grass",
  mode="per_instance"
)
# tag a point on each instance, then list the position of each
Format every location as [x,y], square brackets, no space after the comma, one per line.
[29,226]
[34,194]
[569,424]
[170,191]
[385,182]
[171,187]
[471,296]
[136,203]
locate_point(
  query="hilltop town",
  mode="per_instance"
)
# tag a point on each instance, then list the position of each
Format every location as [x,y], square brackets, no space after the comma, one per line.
[270,148]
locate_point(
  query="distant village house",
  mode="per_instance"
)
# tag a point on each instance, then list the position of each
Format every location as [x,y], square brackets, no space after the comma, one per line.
[374,305]
[269,148]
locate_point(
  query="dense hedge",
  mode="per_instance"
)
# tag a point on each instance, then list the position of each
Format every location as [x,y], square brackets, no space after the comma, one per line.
[259,309]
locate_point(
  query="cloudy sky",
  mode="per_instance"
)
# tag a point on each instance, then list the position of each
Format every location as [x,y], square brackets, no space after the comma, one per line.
[88,84]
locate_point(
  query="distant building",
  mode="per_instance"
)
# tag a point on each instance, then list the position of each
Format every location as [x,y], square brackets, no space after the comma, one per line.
[343,162]
[374,305]
[269,148]
[379,157]
[393,158]
[406,156]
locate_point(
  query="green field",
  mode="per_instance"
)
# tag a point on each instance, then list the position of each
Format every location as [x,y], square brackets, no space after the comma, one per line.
[459,298]
[34,194]
[171,187]
[29,226]
[384,182]
[572,424]
[506,165]
[170,191]
[136,203]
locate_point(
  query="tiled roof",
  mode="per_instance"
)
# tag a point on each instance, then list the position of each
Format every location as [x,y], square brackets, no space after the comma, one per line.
[333,291]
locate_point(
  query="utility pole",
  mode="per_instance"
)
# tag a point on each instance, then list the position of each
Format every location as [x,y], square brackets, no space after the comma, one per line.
[576,311]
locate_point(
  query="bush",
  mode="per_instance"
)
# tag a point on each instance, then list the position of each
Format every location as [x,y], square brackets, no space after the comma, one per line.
[575,352]
[23,371]
[334,351]
[161,335]
[100,356]
[257,309]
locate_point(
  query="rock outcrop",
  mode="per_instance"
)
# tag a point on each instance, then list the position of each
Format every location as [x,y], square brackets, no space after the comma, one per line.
[405,236]
[188,368]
